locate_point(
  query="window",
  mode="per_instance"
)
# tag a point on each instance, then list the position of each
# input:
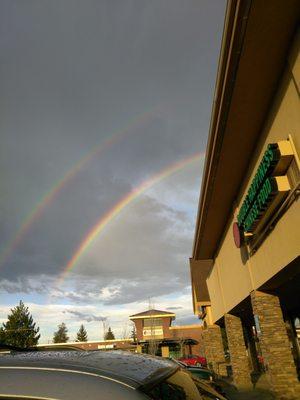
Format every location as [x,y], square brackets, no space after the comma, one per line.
[153,322]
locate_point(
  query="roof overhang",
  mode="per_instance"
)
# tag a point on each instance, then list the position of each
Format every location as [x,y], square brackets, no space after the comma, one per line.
[256,40]
[200,270]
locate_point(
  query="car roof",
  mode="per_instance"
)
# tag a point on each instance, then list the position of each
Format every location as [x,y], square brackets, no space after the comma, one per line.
[134,369]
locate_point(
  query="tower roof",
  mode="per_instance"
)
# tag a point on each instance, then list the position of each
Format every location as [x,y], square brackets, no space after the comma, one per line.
[153,313]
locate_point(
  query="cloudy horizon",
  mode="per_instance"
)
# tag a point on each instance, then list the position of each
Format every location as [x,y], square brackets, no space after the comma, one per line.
[99,98]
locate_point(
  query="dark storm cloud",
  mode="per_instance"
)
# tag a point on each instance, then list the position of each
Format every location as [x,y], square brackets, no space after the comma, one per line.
[140,289]
[148,240]
[86,317]
[159,253]
[152,227]
[25,286]
[71,74]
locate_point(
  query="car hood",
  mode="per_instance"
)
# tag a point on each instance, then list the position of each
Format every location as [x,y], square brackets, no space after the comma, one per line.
[135,369]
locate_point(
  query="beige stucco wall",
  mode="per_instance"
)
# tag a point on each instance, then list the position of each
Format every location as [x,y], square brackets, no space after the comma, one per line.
[232,278]
[215,290]
[233,274]
[283,244]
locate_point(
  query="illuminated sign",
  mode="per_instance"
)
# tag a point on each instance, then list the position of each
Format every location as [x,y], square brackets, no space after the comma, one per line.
[260,203]
[155,331]
[266,167]
[267,189]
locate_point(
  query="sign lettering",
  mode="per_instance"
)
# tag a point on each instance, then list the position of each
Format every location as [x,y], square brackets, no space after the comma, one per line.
[267,190]
[266,167]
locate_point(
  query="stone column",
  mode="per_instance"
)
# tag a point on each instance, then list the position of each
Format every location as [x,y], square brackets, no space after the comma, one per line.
[238,352]
[276,350]
[213,348]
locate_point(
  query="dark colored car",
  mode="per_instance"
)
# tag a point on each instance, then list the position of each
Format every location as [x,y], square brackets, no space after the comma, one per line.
[97,375]
[205,374]
[198,372]
[194,360]
[201,372]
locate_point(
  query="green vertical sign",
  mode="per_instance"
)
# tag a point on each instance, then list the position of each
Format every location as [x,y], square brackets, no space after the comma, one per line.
[261,190]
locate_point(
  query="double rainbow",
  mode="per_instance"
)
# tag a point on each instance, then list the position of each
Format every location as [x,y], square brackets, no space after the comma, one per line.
[119,206]
[50,196]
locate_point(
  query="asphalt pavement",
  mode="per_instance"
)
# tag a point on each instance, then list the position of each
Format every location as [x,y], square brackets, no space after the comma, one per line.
[258,392]
[253,394]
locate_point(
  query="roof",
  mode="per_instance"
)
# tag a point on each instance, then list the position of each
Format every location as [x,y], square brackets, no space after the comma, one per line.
[152,313]
[128,368]
[171,342]
[256,40]
[108,341]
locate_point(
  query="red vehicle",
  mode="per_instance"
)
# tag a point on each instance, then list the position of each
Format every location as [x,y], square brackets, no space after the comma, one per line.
[194,360]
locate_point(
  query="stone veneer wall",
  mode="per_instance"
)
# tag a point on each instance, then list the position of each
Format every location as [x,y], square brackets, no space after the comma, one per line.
[238,353]
[275,346]
[214,350]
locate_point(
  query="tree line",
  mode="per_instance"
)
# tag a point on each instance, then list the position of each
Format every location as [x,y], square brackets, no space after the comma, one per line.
[21,331]
[61,335]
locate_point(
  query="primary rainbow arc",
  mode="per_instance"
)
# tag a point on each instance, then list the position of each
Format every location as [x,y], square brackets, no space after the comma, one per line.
[120,205]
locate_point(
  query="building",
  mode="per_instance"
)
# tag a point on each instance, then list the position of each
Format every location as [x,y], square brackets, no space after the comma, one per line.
[245,266]
[152,323]
[115,344]
[154,328]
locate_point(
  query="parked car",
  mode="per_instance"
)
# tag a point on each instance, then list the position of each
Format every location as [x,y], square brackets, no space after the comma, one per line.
[205,374]
[194,360]
[97,375]
[201,372]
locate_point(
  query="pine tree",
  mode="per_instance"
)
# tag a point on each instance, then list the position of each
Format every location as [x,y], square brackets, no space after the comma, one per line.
[109,334]
[20,330]
[82,334]
[60,336]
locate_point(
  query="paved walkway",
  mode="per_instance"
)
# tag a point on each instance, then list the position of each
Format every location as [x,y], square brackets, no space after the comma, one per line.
[255,394]
[260,392]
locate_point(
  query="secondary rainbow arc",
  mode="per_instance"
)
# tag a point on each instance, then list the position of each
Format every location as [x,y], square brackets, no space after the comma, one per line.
[49,197]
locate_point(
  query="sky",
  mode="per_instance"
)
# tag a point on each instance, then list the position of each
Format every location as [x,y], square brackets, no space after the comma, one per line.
[105,108]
